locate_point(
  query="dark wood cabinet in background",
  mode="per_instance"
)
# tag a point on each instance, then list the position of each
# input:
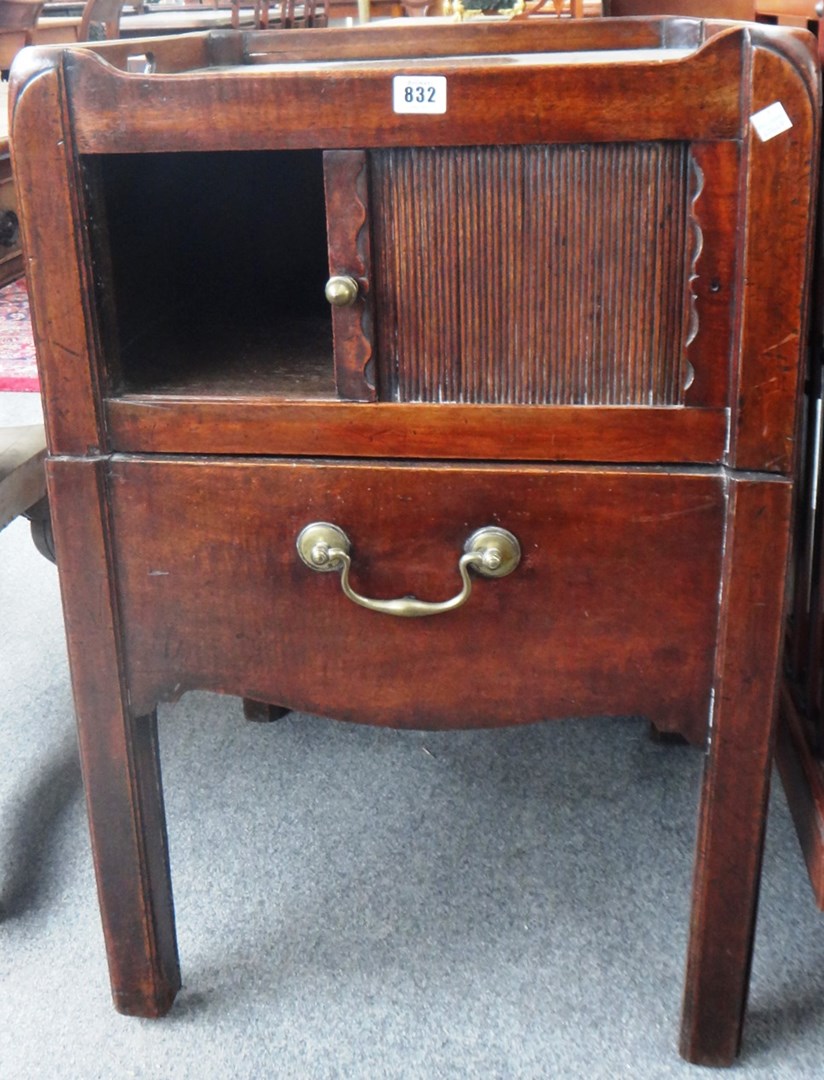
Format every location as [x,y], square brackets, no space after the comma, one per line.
[555,322]
[11,258]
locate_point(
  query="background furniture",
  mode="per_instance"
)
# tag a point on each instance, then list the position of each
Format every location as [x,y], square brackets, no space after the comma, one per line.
[22,470]
[799,12]
[17,20]
[381,9]
[711,9]
[100,20]
[205,413]
[23,482]
[802,13]
[11,257]
[22,448]
[105,20]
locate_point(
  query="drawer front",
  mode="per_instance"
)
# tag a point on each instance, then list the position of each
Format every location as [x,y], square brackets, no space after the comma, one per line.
[612,609]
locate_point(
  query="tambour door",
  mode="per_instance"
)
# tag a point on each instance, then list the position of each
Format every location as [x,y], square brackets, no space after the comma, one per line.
[598,274]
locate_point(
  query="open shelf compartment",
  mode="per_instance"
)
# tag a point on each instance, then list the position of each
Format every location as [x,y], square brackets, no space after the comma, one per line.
[209,273]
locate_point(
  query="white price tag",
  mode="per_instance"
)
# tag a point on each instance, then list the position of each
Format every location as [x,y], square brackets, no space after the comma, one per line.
[419,94]
[771,121]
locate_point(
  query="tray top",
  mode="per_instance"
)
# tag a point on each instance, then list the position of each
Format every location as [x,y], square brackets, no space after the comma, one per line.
[414,42]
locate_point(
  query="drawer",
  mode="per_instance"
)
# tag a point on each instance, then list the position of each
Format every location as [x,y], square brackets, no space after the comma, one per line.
[612,608]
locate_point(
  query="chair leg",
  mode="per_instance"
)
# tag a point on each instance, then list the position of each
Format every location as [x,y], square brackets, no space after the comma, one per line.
[736,773]
[666,738]
[262,713]
[119,755]
[41,529]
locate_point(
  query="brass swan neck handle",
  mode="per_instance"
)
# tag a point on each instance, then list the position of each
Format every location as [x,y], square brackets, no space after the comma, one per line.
[490,551]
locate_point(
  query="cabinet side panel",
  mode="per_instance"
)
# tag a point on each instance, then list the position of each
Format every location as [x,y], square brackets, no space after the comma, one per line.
[56,265]
[781,178]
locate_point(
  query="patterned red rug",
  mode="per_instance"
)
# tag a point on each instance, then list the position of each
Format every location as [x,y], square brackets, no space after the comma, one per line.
[18,370]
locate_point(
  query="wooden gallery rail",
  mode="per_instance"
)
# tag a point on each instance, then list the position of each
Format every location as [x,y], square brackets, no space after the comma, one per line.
[525,354]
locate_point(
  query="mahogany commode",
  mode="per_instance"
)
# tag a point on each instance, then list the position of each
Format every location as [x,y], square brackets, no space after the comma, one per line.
[495,310]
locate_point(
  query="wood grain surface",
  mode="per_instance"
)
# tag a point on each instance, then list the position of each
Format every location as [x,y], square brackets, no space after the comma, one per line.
[576,326]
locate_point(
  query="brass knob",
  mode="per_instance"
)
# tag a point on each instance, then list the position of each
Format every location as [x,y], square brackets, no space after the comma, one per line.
[341,290]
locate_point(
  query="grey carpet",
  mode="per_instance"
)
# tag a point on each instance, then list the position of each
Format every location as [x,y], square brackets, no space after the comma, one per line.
[364,903]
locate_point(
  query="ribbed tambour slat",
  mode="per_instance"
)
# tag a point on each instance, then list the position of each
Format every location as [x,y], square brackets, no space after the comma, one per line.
[537,274]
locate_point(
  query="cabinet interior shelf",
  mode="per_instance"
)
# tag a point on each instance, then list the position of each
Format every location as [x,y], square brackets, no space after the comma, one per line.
[285,359]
